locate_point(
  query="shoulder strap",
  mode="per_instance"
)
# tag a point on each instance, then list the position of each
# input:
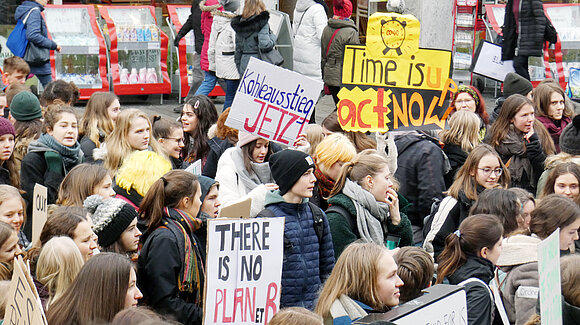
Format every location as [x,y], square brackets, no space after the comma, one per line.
[28,14]
[266,213]
[471,280]
[344,213]
[331,39]
[318,219]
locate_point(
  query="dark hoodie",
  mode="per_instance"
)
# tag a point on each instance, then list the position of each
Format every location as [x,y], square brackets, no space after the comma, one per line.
[36,32]
[205,184]
[252,33]
[479,303]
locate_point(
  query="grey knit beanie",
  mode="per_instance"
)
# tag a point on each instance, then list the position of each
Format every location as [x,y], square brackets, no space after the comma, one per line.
[570,137]
[110,217]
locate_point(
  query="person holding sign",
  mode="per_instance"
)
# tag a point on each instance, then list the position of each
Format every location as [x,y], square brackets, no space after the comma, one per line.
[243,172]
[367,205]
[308,253]
[522,142]
[364,280]
[9,249]
[469,259]
[170,266]
[105,285]
[50,157]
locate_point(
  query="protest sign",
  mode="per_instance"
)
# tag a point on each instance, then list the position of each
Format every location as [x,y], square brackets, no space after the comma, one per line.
[244,270]
[488,62]
[237,210]
[391,83]
[23,304]
[39,211]
[550,285]
[273,103]
[440,304]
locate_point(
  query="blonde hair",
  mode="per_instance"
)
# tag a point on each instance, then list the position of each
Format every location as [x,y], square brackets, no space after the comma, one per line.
[96,117]
[463,130]
[296,316]
[140,170]
[335,147]
[253,8]
[354,275]
[465,180]
[117,146]
[80,183]
[366,163]
[8,192]
[314,136]
[58,264]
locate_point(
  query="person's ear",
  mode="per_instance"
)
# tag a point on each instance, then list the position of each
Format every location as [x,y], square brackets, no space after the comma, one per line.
[184,202]
[368,182]
[484,252]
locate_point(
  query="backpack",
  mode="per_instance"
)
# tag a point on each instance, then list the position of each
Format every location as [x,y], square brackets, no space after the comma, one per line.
[317,217]
[434,221]
[17,41]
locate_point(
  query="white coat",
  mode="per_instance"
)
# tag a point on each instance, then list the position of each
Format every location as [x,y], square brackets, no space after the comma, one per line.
[309,22]
[232,189]
[222,47]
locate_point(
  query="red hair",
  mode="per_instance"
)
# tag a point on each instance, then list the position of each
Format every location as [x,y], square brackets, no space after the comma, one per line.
[479,102]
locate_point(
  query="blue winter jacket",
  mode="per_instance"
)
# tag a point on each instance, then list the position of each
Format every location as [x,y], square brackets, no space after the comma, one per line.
[36,31]
[307,264]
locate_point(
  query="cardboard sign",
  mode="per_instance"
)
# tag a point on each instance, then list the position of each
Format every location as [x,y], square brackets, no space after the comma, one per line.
[488,62]
[273,103]
[23,304]
[195,167]
[238,210]
[550,285]
[244,270]
[441,304]
[391,83]
[39,211]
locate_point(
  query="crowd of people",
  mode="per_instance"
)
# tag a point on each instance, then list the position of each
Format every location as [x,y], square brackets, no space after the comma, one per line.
[371,220]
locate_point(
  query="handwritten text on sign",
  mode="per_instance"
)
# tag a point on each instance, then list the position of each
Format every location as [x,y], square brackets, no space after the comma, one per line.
[244,267]
[273,102]
[22,303]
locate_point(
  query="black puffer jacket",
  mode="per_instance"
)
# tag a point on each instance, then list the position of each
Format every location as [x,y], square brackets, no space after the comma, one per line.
[217,146]
[193,23]
[252,35]
[420,169]
[457,158]
[479,303]
[527,37]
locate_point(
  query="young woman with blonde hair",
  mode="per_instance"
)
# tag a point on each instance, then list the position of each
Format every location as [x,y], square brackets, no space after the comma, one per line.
[132,133]
[104,286]
[98,121]
[483,169]
[369,204]
[58,264]
[364,280]
[461,137]
[9,249]
[13,212]
[521,141]
[83,181]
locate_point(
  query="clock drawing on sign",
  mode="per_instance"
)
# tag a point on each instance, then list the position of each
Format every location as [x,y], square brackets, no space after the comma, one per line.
[393,35]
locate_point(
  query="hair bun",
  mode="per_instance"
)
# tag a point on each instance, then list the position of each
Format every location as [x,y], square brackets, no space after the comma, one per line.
[92,203]
[576,121]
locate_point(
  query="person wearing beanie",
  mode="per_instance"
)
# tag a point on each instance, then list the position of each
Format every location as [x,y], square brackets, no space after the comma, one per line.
[513,83]
[309,258]
[341,30]
[243,172]
[25,114]
[9,172]
[25,107]
[209,209]
[115,223]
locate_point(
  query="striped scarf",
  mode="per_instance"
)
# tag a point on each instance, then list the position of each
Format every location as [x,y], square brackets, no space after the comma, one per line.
[192,270]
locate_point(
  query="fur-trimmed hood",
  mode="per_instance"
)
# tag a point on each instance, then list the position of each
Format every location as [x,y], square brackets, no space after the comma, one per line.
[250,25]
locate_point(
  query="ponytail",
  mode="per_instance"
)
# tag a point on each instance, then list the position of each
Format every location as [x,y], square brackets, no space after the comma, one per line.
[366,163]
[168,191]
[344,174]
[474,233]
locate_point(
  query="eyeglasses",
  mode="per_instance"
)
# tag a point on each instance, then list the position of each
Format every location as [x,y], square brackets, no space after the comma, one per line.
[178,140]
[488,171]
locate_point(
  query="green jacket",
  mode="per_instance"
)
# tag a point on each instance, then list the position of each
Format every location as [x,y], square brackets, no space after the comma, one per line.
[332,62]
[343,234]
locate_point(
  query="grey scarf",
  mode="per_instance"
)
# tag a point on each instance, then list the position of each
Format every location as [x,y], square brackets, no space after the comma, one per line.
[513,146]
[370,214]
[260,173]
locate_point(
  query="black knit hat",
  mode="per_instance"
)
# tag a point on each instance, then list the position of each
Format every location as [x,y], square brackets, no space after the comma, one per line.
[570,137]
[287,167]
[516,84]
[111,217]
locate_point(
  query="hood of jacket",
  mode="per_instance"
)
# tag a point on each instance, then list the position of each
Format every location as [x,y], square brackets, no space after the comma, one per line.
[23,9]
[340,23]
[221,20]
[274,197]
[570,313]
[518,249]
[253,24]
[475,267]
[36,146]
[404,141]
[303,5]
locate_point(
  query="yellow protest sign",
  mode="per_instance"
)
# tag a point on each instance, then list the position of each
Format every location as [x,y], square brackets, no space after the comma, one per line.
[391,83]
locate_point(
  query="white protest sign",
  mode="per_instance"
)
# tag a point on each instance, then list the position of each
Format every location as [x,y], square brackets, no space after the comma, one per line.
[23,305]
[39,211]
[244,270]
[550,285]
[273,103]
[488,62]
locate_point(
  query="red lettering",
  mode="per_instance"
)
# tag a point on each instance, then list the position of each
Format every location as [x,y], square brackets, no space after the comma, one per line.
[361,106]
[253,128]
[380,109]
[238,300]
[270,301]
[351,112]
[217,303]
[225,319]
[265,119]
[250,305]
[292,120]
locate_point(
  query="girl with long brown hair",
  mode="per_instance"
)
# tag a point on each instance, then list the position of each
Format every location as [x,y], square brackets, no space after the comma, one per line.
[522,141]
[564,179]
[551,110]
[469,260]
[83,181]
[198,115]
[98,121]
[171,272]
